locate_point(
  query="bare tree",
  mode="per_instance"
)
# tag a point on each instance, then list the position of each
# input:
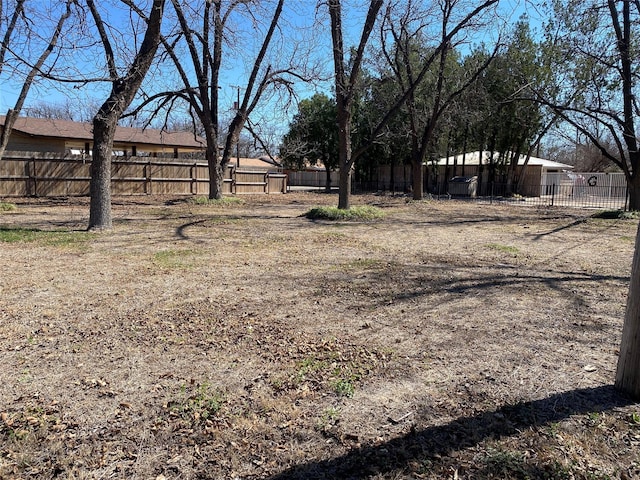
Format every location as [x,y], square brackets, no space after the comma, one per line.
[345,85]
[123,90]
[593,46]
[205,31]
[35,69]
[7,40]
[68,109]
[346,82]
[411,56]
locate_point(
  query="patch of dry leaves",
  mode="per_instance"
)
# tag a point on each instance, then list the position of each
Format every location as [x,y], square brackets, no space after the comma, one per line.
[449,340]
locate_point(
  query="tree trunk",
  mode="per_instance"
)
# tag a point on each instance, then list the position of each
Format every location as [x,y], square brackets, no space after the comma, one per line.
[508,189]
[216,173]
[628,372]
[344,153]
[345,89]
[105,122]
[327,184]
[344,195]
[417,180]
[633,185]
[100,186]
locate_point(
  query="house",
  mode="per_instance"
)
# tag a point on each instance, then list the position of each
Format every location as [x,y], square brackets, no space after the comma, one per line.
[264,163]
[64,136]
[480,164]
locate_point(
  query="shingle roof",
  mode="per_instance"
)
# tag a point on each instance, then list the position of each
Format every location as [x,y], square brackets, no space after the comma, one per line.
[45,127]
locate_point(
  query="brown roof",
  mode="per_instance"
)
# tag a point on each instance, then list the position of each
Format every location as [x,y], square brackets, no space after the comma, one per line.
[262,162]
[46,127]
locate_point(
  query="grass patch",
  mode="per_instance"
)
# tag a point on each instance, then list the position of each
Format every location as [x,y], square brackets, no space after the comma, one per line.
[175,258]
[7,207]
[359,213]
[219,202]
[344,388]
[617,215]
[503,248]
[54,238]
[196,403]
[328,419]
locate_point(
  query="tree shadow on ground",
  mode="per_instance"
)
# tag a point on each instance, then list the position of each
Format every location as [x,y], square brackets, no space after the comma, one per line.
[465,432]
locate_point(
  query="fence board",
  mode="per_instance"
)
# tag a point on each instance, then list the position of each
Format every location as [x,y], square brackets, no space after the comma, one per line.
[38,174]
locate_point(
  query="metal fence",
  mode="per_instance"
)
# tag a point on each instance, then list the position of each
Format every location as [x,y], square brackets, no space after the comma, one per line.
[569,189]
[577,190]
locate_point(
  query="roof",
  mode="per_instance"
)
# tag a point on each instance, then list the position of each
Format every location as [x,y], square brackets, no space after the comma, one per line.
[54,128]
[261,162]
[472,158]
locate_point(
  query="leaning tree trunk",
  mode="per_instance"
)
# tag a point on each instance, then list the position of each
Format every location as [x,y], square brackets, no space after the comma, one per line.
[123,90]
[628,372]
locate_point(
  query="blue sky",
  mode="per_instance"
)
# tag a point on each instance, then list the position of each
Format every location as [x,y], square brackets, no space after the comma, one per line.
[298,14]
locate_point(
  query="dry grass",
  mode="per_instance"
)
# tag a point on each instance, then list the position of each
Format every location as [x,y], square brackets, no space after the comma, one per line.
[445,340]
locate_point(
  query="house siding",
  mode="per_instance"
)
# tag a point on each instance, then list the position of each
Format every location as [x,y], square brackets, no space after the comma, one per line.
[26,143]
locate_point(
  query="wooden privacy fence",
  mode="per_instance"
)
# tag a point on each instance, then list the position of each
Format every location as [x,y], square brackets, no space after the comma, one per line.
[50,174]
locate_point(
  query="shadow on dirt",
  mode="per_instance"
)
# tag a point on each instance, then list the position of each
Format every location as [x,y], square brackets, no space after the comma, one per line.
[465,432]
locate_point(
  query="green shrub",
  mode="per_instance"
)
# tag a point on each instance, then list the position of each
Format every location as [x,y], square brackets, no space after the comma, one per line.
[359,213]
[197,403]
[617,215]
[7,207]
[344,388]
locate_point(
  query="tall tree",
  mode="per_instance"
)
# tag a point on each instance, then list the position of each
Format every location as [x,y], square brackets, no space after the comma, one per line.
[516,119]
[312,135]
[430,75]
[124,87]
[206,33]
[593,45]
[345,89]
[346,79]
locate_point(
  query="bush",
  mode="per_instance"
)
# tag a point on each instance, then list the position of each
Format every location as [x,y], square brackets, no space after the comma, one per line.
[617,215]
[361,213]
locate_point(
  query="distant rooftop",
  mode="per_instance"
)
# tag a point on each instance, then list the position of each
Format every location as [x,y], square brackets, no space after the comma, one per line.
[83,131]
[473,158]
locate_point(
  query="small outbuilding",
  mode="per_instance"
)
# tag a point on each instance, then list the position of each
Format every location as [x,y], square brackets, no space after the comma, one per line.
[483,164]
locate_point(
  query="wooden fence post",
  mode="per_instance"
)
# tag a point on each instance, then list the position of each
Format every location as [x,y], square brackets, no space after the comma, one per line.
[147,176]
[194,179]
[34,177]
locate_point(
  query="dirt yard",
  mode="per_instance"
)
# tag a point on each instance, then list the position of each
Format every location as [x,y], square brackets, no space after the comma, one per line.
[448,340]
